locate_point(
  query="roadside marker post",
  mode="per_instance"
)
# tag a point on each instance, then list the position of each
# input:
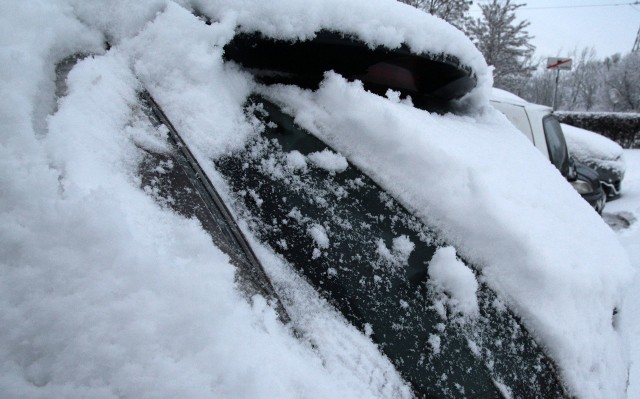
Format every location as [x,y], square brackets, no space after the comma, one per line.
[558,64]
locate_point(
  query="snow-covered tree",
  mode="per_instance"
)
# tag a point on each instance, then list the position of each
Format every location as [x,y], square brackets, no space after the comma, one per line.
[539,88]
[622,85]
[452,11]
[612,84]
[592,84]
[612,61]
[576,85]
[504,42]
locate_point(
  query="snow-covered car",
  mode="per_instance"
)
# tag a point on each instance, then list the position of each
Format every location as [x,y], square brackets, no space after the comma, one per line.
[190,219]
[542,128]
[603,155]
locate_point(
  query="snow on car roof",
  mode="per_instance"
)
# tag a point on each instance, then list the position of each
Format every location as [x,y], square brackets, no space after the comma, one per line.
[505,95]
[152,297]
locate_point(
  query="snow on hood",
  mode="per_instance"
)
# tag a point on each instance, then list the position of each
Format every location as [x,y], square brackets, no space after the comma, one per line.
[593,149]
[152,297]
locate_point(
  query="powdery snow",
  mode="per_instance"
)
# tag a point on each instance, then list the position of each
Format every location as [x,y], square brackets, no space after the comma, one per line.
[104,293]
[319,235]
[398,254]
[449,274]
[628,207]
[295,160]
[478,181]
[329,161]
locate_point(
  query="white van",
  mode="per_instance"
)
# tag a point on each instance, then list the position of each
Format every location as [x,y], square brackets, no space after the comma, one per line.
[543,129]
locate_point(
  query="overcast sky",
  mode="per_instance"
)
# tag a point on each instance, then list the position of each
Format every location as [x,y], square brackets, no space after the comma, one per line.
[609,29]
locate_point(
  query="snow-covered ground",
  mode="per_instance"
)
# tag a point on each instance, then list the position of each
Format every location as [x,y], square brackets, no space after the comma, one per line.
[625,210]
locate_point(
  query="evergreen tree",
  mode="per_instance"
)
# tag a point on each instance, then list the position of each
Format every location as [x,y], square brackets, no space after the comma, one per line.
[503,42]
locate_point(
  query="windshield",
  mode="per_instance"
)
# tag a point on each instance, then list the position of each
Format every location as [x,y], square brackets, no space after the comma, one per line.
[349,238]
[556,144]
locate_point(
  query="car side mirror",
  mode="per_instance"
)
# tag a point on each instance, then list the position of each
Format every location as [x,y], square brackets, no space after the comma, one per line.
[572,175]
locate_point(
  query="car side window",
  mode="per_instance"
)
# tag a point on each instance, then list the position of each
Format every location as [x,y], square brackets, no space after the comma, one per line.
[368,256]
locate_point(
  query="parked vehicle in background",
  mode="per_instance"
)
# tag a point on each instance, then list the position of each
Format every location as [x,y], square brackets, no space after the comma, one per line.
[603,155]
[543,129]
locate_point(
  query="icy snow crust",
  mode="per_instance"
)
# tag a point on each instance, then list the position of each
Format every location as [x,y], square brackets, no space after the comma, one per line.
[104,293]
[594,149]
